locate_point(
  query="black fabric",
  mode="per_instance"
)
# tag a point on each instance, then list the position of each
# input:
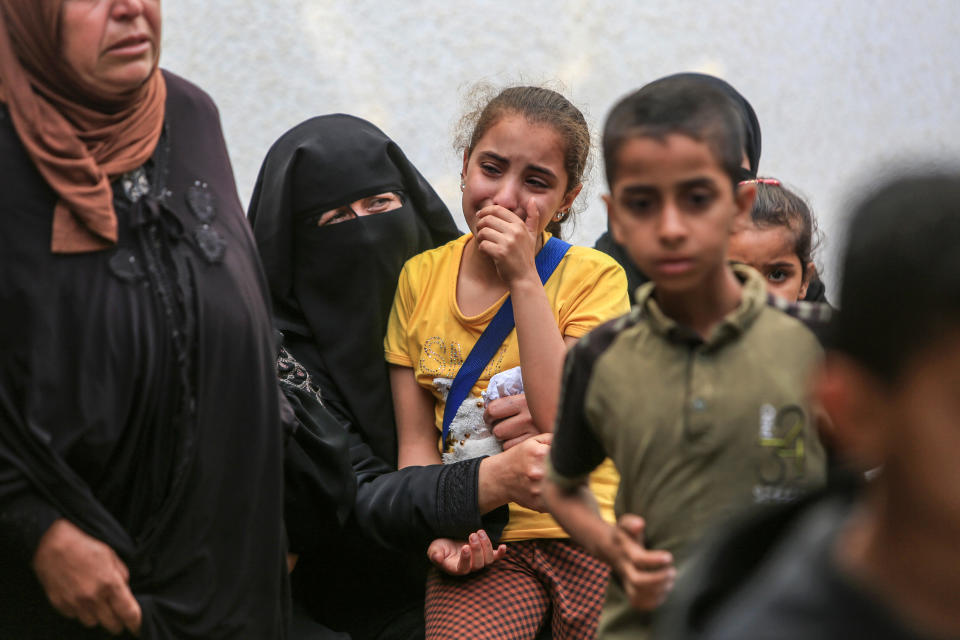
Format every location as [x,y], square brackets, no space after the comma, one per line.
[332,289]
[345,566]
[138,395]
[333,476]
[333,286]
[319,484]
[816,290]
[752,147]
[773,575]
[609,246]
[751,125]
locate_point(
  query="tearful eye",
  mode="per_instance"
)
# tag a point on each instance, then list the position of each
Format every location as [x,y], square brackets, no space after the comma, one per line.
[490,169]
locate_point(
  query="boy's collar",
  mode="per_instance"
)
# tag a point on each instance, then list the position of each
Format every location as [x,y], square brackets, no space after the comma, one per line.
[753,301]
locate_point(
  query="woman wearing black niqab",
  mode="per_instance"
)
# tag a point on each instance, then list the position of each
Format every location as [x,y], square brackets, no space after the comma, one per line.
[333,285]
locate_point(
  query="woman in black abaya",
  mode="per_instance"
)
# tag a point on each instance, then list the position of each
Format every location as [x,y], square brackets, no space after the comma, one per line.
[333,283]
[141,441]
[333,280]
[336,212]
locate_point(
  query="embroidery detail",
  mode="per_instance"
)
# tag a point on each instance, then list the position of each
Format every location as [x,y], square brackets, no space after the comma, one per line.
[433,357]
[439,359]
[293,374]
[201,201]
[124,265]
[208,240]
[455,358]
[135,184]
[211,243]
[495,365]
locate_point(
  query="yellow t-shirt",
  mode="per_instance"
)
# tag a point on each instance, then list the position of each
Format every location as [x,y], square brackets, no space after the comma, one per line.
[428,333]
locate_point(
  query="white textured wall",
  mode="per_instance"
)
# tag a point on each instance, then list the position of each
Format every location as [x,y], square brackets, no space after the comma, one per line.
[841,88]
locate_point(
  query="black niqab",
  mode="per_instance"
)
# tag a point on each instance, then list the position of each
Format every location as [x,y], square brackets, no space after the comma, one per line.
[751,125]
[333,286]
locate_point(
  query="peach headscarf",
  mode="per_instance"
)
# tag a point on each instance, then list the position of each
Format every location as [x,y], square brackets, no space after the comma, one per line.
[77,140]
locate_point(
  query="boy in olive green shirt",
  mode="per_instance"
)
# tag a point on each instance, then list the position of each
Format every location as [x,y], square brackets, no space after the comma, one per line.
[699,394]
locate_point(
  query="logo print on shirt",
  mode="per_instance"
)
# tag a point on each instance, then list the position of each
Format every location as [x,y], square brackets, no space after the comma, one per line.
[781,432]
[439,359]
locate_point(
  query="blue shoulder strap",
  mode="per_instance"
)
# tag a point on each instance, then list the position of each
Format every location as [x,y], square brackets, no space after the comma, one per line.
[493,336]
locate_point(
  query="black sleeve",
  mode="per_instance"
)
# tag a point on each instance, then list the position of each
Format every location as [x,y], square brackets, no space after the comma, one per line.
[575,450]
[332,474]
[24,518]
[319,484]
[25,514]
[410,507]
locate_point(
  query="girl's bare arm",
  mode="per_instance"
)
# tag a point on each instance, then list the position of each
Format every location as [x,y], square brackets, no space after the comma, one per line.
[542,350]
[413,407]
[512,244]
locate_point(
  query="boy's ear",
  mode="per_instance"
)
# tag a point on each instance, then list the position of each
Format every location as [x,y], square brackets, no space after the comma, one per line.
[743,196]
[856,405]
[613,222]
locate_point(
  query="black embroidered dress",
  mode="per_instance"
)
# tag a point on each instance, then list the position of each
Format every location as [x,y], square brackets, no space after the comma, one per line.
[138,394]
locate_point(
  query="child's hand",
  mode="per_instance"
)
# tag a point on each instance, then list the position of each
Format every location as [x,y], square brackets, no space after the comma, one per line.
[647,576]
[458,558]
[510,240]
[510,421]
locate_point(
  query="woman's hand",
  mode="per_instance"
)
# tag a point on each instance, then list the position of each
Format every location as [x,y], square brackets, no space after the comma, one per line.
[510,421]
[85,579]
[458,558]
[510,241]
[515,475]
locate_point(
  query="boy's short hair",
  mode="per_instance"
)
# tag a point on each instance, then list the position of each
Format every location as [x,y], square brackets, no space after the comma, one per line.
[901,273]
[678,104]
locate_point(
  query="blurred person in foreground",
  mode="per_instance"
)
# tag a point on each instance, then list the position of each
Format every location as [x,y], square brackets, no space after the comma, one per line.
[880,561]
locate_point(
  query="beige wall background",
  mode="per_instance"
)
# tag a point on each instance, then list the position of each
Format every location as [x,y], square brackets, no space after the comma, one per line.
[843,89]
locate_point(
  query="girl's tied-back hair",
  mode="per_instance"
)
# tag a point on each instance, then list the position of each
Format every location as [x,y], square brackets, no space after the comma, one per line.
[541,106]
[777,206]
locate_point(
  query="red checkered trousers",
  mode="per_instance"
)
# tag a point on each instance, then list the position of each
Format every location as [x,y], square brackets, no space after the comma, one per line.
[536,582]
